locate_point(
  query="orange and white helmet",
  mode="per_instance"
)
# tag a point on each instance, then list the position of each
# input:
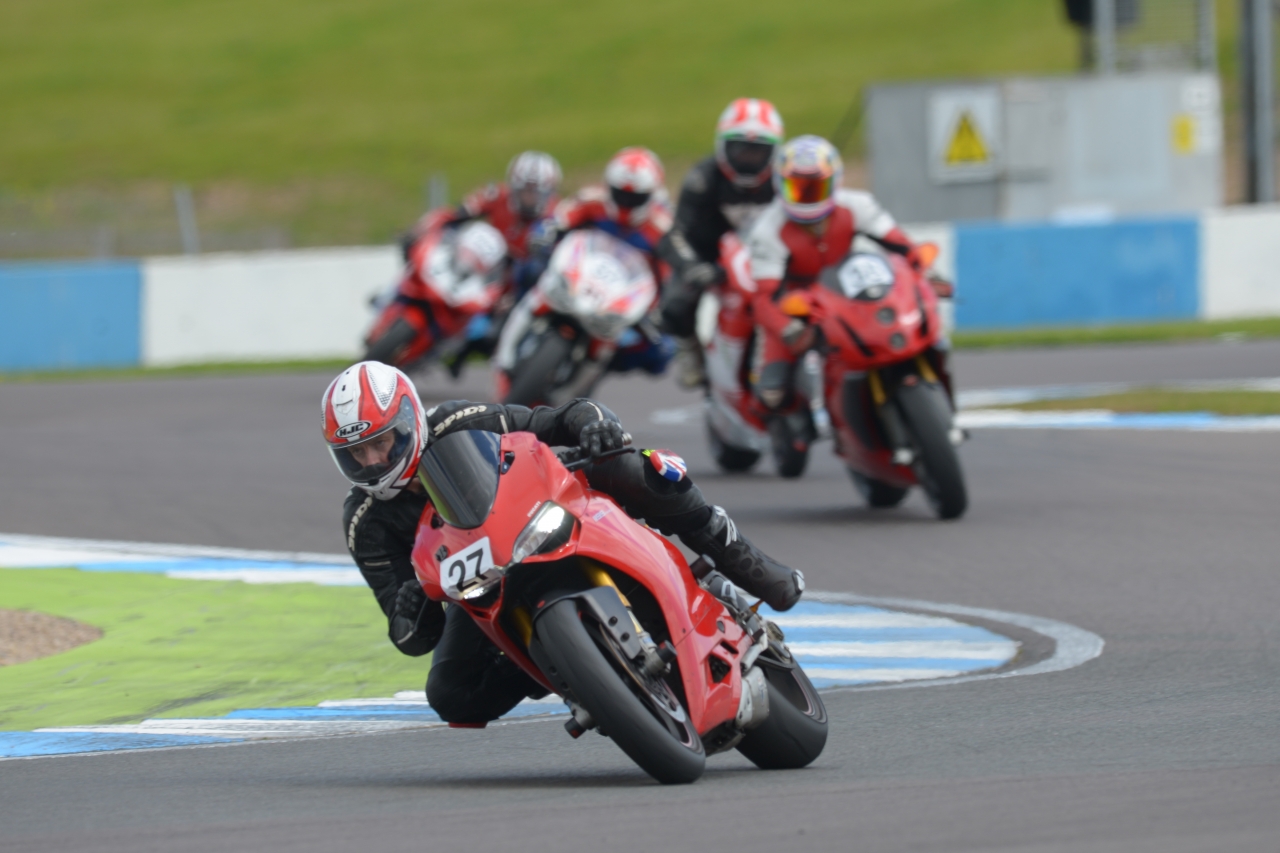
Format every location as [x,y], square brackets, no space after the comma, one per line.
[633,176]
[375,427]
[747,133]
[806,174]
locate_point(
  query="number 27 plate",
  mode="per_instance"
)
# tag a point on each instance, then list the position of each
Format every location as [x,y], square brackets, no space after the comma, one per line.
[461,566]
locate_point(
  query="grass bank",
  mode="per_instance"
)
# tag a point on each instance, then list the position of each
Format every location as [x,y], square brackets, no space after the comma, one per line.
[195,648]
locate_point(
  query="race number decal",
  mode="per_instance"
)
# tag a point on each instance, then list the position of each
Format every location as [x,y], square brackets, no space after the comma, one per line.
[862,272]
[460,567]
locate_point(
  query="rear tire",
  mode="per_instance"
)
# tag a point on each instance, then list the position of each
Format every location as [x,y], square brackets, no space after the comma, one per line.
[877,494]
[732,459]
[795,732]
[580,667]
[392,343]
[927,417]
[532,379]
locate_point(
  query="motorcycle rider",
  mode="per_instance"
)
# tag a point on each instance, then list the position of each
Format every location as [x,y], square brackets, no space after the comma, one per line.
[632,206]
[518,208]
[722,193]
[377,430]
[810,225]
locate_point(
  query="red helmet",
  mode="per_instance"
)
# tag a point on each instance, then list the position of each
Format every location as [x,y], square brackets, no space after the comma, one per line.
[746,134]
[634,175]
[375,427]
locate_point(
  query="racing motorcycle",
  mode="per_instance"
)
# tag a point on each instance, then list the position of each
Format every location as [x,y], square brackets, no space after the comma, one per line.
[603,611]
[881,381]
[590,305]
[453,279]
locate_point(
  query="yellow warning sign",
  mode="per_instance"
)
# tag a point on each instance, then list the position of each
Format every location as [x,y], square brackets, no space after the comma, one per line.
[966,147]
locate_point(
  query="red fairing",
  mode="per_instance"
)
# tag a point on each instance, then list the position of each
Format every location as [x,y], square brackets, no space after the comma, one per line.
[603,534]
[591,208]
[493,203]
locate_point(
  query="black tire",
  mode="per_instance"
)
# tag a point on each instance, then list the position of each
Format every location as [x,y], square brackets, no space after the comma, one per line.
[668,751]
[789,460]
[532,379]
[927,417]
[393,341]
[877,494]
[795,732]
[732,459]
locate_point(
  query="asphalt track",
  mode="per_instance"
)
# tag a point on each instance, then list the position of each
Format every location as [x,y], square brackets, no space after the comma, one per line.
[1165,544]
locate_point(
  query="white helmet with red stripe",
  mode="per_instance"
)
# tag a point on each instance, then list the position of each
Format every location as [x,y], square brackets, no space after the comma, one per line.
[634,176]
[375,427]
[748,131]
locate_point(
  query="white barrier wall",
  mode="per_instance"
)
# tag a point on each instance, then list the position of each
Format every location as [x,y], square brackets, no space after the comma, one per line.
[1240,262]
[263,306]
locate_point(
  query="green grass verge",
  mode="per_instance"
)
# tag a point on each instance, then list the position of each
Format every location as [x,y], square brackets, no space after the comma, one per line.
[1161,400]
[1187,330]
[195,648]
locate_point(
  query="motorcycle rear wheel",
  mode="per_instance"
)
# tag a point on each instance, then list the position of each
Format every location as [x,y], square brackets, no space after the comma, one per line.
[392,343]
[583,663]
[795,732]
[927,417]
[532,379]
[876,493]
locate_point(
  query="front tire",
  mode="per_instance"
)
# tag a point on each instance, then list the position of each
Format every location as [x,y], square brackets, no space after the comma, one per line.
[927,417]
[393,342]
[589,670]
[790,447]
[532,379]
[877,494]
[795,732]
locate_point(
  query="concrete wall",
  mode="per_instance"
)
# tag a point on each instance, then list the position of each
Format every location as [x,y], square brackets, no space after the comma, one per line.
[314,303]
[1240,269]
[261,306]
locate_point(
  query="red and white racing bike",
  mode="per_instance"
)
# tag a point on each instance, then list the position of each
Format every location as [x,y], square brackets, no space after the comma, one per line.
[602,610]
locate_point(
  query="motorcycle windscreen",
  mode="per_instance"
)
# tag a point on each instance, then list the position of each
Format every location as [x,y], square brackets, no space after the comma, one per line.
[460,471]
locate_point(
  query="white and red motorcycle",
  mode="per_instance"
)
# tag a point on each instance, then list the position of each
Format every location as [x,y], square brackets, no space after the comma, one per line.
[592,302]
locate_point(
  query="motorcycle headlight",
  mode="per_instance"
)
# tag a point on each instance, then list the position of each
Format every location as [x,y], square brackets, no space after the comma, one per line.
[549,530]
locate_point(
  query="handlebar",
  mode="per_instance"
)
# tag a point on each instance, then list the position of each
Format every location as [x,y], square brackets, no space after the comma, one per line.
[576,458]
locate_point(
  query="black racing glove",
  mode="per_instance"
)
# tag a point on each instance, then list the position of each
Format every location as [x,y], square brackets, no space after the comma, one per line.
[407,612]
[601,437]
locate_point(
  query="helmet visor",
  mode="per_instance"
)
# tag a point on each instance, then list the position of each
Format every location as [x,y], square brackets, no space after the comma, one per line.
[628,200]
[366,461]
[747,157]
[529,199]
[807,189]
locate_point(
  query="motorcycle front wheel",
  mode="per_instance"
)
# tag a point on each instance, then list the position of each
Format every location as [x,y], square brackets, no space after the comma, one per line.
[877,494]
[638,711]
[394,341]
[728,457]
[533,378]
[927,417]
[795,732]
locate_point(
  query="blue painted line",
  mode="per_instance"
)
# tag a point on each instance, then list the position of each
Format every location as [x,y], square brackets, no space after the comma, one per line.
[29,744]
[969,634]
[371,712]
[958,664]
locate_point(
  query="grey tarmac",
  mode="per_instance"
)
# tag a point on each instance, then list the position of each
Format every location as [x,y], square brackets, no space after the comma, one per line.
[1165,544]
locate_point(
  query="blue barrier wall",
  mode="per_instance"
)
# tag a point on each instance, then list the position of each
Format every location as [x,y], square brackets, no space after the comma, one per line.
[1038,275]
[66,315]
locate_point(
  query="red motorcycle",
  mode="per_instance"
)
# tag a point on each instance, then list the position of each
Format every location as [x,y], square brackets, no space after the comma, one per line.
[603,611]
[883,381]
[453,275]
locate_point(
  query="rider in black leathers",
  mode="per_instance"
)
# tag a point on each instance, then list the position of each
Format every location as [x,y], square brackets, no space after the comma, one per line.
[722,193]
[471,681]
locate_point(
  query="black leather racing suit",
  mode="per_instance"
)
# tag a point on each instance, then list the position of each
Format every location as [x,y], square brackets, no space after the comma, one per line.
[710,206]
[470,680]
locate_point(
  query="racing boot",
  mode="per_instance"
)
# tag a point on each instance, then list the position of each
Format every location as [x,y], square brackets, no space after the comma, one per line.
[743,563]
[691,367]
